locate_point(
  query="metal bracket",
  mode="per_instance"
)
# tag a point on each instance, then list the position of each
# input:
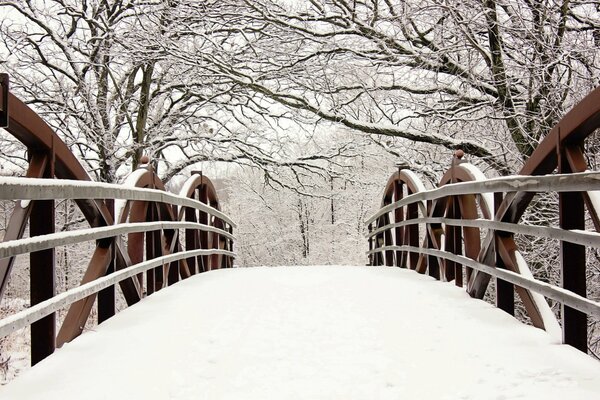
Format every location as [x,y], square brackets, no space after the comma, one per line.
[4,106]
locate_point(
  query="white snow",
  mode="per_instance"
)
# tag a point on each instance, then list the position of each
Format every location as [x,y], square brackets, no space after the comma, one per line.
[551,324]
[312,333]
[419,186]
[487,199]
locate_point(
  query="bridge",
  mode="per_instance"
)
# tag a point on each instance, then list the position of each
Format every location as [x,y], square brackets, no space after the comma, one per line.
[400,326]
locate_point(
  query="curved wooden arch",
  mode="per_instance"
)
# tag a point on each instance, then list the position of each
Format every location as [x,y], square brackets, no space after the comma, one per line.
[144,246]
[402,183]
[200,187]
[562,150]
[50,157]
[458,207]
[535,305]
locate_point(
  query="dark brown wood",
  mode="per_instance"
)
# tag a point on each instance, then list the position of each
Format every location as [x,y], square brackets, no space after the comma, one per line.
[42,277]
[412,233]
[507,249]
[79,312]
[106,297]
[379,242]
[19,217]
[203,219]
[51,158]
[157,249]
[371,260]
[433,266]
[4,110]
[231,247]
[399,217]
[449,242]
[387,241]
[150,252]
[572,261]
[505,291]
[191,239]
[215,241]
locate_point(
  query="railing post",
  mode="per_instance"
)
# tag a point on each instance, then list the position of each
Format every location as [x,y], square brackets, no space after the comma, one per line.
[215,239]
[4,112]
[191,236]
[42,275]
[505,291]
[398,217]
[387,241]
[106,297]
[412,231]
[455,235]
[151,251]
[572,260]
[230,246]
[433,267]
[203,219]
[379,242]
[370,259]
[450,266]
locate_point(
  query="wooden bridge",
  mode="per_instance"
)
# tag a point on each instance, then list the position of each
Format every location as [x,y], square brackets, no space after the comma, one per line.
[147,239]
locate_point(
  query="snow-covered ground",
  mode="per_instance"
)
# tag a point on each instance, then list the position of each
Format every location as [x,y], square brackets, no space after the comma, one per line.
[312,333]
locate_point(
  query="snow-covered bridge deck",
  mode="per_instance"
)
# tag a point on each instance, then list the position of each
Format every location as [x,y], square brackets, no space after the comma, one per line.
[312,333]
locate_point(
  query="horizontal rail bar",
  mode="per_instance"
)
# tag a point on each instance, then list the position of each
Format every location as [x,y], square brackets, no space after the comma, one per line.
[12,188]
[590,239]
[576,182]
[561,295]
[26,317]
[37,243]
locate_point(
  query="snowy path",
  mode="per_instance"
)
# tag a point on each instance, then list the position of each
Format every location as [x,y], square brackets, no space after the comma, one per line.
[312,333]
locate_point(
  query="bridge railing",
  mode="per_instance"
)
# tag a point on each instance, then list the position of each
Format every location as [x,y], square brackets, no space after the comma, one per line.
[145,237]
[464,230]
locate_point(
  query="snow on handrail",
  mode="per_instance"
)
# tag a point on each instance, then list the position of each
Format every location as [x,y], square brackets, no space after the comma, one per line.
[37,243]
[584,238]
[559,294]
[582,181]
[12,188]
[26,317]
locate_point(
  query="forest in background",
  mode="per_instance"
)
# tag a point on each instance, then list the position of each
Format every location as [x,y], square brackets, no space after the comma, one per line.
[302,109]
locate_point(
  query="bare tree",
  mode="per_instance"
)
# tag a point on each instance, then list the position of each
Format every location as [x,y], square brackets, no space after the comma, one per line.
[98,73]
[426,71]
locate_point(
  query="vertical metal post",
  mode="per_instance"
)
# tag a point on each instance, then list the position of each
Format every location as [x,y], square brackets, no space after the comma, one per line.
[505,291]
[106,297]
[215,238]
[230,247]
[370,260]
[387,241]
[379,243]
[231,244]
[399,217]
[4,112]
[449,265]
[412,231]
[454,233]
[457,245]
[572,261]
[150,252]
[191,237]
[433,266]
[42,276]
[203,219]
